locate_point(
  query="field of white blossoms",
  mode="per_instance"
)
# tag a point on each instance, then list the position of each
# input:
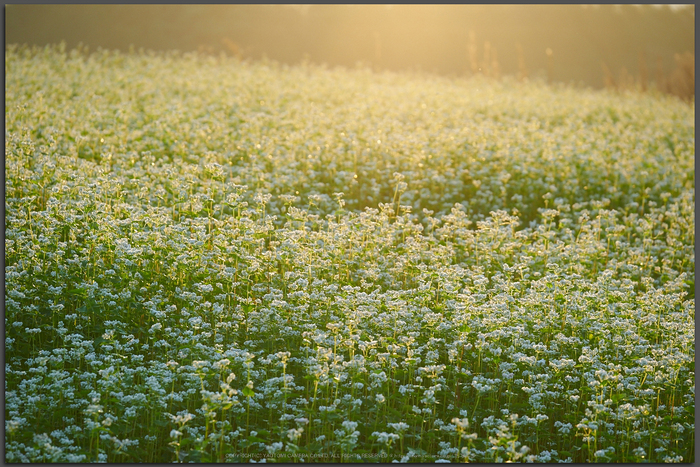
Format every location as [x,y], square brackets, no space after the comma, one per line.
[209,260]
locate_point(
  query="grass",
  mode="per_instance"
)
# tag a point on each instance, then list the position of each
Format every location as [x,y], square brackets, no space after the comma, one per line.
[209,260]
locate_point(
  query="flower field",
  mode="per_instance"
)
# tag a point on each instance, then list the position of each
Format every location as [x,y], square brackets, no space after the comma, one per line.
[209,260]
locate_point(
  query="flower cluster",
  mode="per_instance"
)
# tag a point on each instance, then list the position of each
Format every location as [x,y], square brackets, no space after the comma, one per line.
[209,260]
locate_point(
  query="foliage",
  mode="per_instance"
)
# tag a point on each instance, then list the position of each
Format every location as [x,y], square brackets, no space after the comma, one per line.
[208,260]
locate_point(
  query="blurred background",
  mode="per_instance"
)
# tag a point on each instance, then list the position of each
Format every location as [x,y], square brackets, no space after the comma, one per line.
[618,46]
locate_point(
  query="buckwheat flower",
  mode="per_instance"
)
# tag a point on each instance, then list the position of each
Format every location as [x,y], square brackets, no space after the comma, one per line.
[461,424]
[11,426]
[448,427]
[385,438]
[221,364]
[399,427]
[294,434]
[199,364]
[93,409]
[172,365]
[349,426]
[274,447]
[564,428]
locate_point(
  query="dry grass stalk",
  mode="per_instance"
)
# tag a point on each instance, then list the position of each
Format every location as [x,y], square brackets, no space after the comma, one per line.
[472,49]
[522,70]
[232,47]
[660,77]
[608,77]
[680,82]
[486,64]
[682,79]
[643,72]
[495,67]
[550,64]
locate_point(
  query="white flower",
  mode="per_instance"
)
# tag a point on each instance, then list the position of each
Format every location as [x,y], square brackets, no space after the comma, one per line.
[294,434]
[349,426]
[461,424]
[198,364]
[223,363]
[399,427]
[274,447]
[385,438]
